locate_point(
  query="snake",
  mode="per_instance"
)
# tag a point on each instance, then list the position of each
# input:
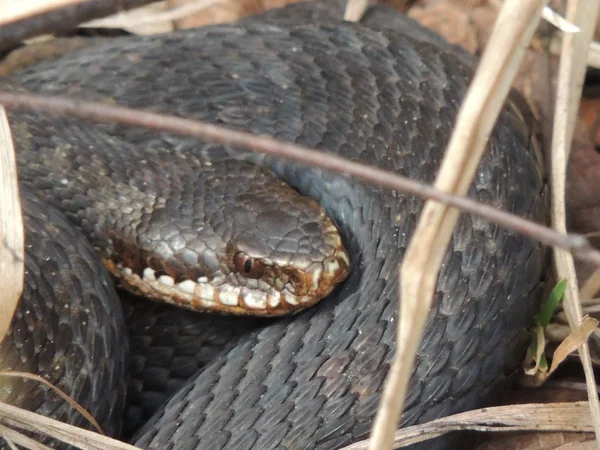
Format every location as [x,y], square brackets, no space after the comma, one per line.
[266,232]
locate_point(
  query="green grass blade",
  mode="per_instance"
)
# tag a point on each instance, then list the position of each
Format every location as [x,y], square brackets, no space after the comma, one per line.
[550,305]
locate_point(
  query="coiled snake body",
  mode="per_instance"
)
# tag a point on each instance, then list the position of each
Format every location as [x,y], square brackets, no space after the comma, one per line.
[385,93]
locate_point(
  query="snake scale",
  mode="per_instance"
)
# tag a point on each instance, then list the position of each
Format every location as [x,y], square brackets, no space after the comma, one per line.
[384,92]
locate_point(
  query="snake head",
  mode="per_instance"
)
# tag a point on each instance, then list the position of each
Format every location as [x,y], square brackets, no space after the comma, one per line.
[239,241]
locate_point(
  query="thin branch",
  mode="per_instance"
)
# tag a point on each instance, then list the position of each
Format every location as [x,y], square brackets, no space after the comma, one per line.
[95,111]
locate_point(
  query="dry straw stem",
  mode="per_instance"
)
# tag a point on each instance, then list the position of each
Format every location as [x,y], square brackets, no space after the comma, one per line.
[146,23]
[20,419]
[583,14]
[11,230]
[14,438]
[419,271]
[355,10]
[566,417]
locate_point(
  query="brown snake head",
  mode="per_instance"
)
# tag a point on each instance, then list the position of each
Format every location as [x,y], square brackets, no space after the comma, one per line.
[275,253]
[290,259]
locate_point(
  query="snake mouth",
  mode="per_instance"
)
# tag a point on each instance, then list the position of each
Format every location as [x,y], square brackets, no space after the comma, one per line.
[294,290]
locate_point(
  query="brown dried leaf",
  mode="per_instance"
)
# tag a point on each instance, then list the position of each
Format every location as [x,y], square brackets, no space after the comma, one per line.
[577,337]
[451,21]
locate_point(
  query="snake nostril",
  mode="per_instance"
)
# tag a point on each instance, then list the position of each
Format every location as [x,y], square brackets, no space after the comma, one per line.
[295,281]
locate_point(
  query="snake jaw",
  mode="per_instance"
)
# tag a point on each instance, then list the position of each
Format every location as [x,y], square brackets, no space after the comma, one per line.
[278,292]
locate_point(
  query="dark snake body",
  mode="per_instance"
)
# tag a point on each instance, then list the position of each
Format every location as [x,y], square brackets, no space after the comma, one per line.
[385,94]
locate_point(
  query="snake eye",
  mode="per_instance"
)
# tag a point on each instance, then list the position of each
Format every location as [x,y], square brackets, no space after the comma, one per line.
[250,267]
